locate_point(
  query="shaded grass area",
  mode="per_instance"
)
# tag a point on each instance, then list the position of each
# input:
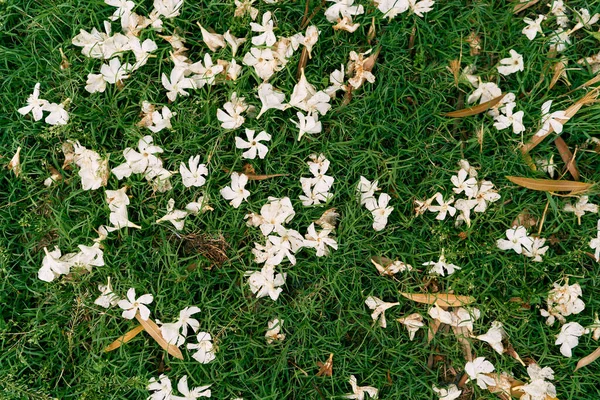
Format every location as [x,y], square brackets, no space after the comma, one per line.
[52,335]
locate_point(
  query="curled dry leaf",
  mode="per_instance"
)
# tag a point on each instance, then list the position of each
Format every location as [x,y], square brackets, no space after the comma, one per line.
[550,185]
[249,171]
[370,62]
[69,153]
[525,219]
[326,369]
[467,112]
[590,358]
[441,299]
[559,72]
[567,157]
[154,331]
[64,62]
[454,67]
[371,34]
[124,339]
[474,43]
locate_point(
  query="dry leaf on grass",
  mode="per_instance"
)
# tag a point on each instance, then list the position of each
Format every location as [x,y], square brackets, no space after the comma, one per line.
[249,171]
[559,72]
[372,32]
[523,6]
[589,98]
[550,185]
[154,331]
[567,157]
[124,339]
[326,369]
[474,43]
[454,68]
[441,299]
[525,219]
[590,358]
[212,247]
[467,112]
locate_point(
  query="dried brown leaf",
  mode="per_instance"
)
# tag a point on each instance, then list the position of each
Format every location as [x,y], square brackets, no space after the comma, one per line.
[559,72]
[567,157]
[64,61]
[369,63]
[434,326]
[302,62]
[467,112]
[124,339]
[510,350]
[550,185]
[525,219]
[441,299]
[69,153]
[372,32]
[589,98]
[248,170]
[454,67]
[212,247]
[590,358]
[326,369]
[154,331]
[523,6]
[474,43]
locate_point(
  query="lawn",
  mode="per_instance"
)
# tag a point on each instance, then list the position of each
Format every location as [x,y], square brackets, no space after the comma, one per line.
[394,130]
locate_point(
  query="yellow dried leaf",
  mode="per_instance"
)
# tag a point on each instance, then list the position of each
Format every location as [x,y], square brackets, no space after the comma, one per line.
[467,112]
[154,331]
[523,6]
[441,299]
[124,339]
[590,358]
[550,185]
[326,369]
[567,157]
[454,67]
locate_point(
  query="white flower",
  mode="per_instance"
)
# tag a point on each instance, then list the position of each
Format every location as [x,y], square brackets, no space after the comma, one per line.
[380,210]
[197,392]
[441,267]
[232,117]
[53,266]
[477,370]
[547,165]
[533,27]
[200,205]
[286,244]
[233,42]
[568,337]
[537,249]
[342,8]
[336,78]
[391,8]
[443,208]
[265,282]
[563,301]
[494,336]
[357,68]
[206,351]
[176,217]
[584,19]
[595,244]
[205,74]
[517,240]
[161,120]
[162,388]
[485,92]
[263,61]
[141,162]
[462,183]
[176,83]
[245,7]
[14,164]
[168,8]
[35,105]
[538,388]
[107,297]
[581,207]
[412,322]
[310,39]
[378,306]
[485,194]
[93,170]
[214,41]
[273,331]
[559,40]
[253,144]
[359,392]
[509,119]
[95,83]
[117,203]
[266,37]
[420,7]
[512,64]
[270,98]
[366,189]
[552,121]
[345,24]
[195,174]
[307,124]
[114,72]
[393,268]
[236,192]
[319,241]
[450,393]
[273,214]
[131,306]
[58,115]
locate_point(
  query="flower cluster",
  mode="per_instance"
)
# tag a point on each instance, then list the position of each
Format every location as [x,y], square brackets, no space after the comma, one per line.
[378,206]
[54,264]
[36,106]
[316,189]
[561,302]
[518,240]
[162,389]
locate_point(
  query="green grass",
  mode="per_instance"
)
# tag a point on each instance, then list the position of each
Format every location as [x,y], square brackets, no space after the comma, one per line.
[52,335]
